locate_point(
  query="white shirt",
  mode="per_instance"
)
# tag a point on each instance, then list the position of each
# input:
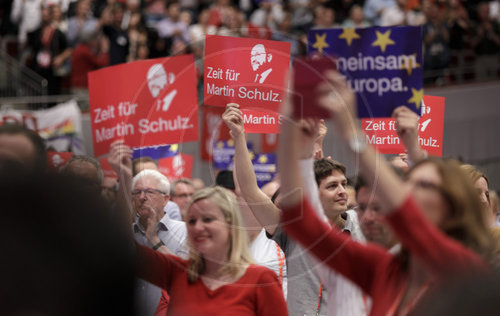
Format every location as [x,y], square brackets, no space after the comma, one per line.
[344,297]
[266,252]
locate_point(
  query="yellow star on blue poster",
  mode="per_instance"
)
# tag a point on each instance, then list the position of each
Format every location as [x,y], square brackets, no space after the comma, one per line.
[174,147]
[349,34]
[320,43]
[220,145]
[383,40]
[416,97]
[230,143]
[263,159]
[409,63]
[251,155]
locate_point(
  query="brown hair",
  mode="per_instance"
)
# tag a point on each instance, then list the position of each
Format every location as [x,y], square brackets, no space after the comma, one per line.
[324,167]
[139,160]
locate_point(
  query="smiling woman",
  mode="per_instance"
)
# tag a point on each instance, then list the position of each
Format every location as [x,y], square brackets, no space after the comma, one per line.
[219,277]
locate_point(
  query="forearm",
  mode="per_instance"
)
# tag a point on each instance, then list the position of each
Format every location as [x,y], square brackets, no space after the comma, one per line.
[310,187]
[377,173]
[288,156]
[244,168]
[261,206]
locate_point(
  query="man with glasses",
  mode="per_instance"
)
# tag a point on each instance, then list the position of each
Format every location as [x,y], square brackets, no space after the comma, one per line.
[181,192]
[150,194]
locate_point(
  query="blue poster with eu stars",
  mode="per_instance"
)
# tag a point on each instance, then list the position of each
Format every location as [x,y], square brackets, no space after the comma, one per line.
[382,64]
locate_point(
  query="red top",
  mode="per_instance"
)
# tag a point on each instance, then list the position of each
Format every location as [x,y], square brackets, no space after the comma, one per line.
[379,273]
[257,292]
[83,61]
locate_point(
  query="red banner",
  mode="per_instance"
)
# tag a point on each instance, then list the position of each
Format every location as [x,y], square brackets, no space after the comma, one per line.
[176,167]
[147,103]
[250,72]
[106,169]
[269,143]
[381,132]
[57,160]
[213,130]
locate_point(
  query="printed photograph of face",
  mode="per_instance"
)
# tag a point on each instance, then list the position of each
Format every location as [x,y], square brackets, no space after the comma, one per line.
[258,58]
[158,79]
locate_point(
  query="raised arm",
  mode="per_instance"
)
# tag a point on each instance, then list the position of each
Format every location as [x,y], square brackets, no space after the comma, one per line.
[341,102]
[407,129]
[260,204]
[120,159]
[301,222]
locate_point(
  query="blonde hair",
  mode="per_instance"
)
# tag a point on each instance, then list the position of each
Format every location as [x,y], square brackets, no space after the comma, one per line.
[238,255]
[473,173]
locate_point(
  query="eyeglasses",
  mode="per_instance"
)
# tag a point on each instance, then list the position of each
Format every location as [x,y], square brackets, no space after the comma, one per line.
[148,192]
[183,195]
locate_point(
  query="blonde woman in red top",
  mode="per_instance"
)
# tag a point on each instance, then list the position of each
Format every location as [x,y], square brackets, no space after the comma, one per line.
[219,278]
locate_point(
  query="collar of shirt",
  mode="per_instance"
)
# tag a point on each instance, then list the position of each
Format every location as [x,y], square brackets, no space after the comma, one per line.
[163,225]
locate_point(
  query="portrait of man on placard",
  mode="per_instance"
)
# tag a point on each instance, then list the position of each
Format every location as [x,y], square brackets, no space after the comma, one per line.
[158,78]
[260,61]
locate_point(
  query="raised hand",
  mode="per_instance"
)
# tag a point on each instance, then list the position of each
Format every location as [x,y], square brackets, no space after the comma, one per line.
[406,125]
[407,129]
[309,133]
[318,143]
[337,97]
[233,119]
[120,158]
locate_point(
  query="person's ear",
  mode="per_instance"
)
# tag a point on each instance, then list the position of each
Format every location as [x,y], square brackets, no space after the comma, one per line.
[166,198]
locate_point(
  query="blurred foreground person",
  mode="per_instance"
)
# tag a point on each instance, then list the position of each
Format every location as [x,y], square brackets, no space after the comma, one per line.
[62,254]
[19,145]
[442,234]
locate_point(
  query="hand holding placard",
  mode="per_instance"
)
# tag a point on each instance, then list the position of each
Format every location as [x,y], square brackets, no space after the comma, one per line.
[249,72]
[407,129]
[233,119]
[339,99]
[120,158]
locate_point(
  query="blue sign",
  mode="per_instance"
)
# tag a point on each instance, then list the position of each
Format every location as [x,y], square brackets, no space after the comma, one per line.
[265,168]
[383,65]
[156,152]
[223,154]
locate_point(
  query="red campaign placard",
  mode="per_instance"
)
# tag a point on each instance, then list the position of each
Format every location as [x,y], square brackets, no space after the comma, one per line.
[106,169]
[213,130]
[147,103]
[247,71]
[261,121]
[57,160]
[381,132]
[176,167]
[269,143]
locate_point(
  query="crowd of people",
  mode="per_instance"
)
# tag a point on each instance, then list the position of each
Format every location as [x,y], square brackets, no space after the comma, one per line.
[387,241]
[305,244]
[63,40]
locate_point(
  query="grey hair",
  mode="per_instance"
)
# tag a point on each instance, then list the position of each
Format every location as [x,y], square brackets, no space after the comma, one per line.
[181,180]
[163,183]
[88,159]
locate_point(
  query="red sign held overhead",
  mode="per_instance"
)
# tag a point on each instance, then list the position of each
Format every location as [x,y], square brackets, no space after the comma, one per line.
[147,103]
[381,132]
[250,72]
[176,167]
[57,160]
[107,170]
[213,130]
